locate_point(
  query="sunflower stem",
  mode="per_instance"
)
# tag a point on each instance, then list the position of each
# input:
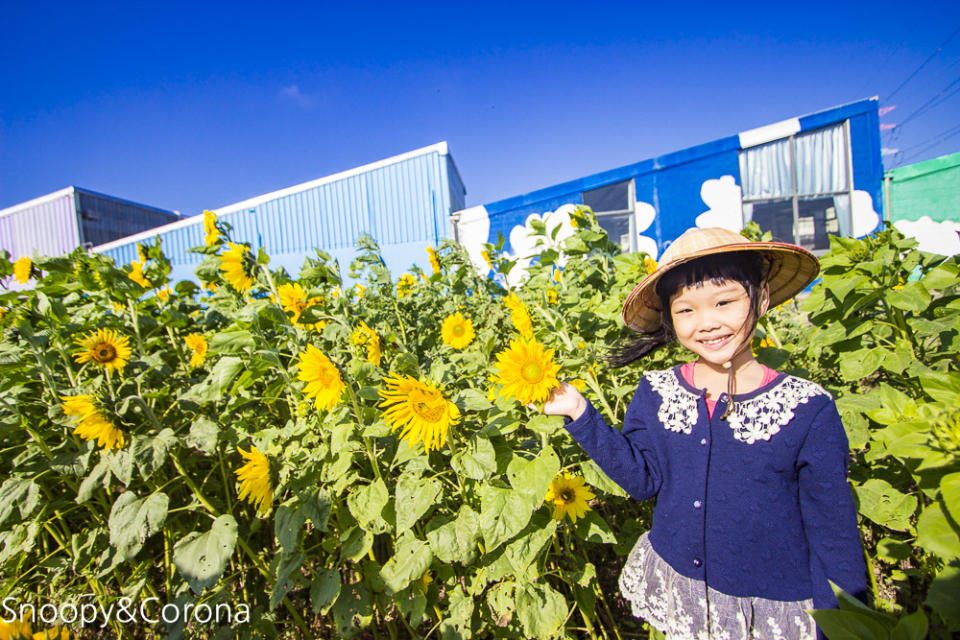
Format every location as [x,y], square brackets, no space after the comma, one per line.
[367,442]
[193,486]
[176,348]
[136,325]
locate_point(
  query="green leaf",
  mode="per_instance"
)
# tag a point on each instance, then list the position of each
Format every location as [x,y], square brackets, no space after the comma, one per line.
[849,625]
[283,583]
[892,551]
[886,506]
[456,541]
[477,460]
[856,365]
[501,600]
[504,513]
[355,543]
[414,496]
[942,277]
[942,595]
[911,627]
[14,493]
[324,590]
[950,488]
[410,561]
[546,424]
[593,528]
[533,477]
[523,551]
[203,435]
[121,465]
[97,476]
[595,477]
[150,452]
[132,520]
[201,557]
[456,624]
[355,601]
[366,504]
[232,341]
[473,400]
[541,610]
[913,297]
[936,534]
[942,387]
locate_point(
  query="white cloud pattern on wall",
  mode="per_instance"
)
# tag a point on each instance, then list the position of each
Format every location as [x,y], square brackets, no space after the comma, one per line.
[643,216]
[473,230]
[724,198]
[934,237]
[865,219]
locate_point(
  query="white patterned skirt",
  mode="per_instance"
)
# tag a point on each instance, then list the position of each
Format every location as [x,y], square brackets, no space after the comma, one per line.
[686,609]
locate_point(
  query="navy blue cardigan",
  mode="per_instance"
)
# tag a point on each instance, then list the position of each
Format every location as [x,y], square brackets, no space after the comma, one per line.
[756,505]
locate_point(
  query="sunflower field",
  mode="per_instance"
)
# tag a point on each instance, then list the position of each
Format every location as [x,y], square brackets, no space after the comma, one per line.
[273,455]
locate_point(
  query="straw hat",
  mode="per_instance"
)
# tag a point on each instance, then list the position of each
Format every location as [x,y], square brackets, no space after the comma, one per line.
[789,270]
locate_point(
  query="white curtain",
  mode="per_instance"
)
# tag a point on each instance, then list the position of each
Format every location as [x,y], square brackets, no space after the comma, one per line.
[821,161]
[766,171]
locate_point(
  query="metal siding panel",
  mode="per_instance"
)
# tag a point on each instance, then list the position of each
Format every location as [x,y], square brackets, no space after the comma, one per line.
[45,229]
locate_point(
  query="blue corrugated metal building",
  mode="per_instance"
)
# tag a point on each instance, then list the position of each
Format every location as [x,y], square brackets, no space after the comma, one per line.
[404,202]
[59,222]
[801,179]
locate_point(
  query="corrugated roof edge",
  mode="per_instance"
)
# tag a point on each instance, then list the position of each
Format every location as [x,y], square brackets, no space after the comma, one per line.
[72,189]
[439,147]
[36,201]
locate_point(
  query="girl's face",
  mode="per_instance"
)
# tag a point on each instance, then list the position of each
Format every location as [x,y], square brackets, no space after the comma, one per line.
[711,319]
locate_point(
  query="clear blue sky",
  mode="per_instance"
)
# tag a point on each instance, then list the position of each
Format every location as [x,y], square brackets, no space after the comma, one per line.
[196,105]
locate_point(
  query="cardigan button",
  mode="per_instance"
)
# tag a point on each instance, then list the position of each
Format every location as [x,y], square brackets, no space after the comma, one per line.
[697,562]
[703,441]
[697,504]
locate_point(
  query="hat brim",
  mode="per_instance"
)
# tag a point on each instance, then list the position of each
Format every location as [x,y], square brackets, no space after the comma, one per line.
[790,269]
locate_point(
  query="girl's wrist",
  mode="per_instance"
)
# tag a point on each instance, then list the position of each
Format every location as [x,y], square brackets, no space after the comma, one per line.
[579,410]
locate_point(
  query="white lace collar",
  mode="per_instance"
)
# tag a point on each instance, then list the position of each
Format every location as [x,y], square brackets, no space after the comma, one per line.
[757,416]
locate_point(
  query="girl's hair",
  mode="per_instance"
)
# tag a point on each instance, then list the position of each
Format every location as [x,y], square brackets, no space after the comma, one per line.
[746,267]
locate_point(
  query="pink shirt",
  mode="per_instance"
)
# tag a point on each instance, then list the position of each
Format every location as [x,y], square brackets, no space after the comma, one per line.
[687,372]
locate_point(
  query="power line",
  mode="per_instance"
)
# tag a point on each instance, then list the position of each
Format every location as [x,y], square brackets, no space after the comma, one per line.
[932,102]
[923,64]
[933,142]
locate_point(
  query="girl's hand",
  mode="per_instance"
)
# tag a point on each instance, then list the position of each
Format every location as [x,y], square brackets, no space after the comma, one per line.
[565,400]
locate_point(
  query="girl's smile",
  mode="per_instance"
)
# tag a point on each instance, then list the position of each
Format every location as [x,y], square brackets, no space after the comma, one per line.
[712,319]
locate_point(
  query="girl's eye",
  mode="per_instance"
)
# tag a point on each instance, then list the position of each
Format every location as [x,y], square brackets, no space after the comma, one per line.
[723,302]
[679,311]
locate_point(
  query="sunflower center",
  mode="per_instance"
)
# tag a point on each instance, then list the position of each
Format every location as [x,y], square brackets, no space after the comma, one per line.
[532,372]
[104,352]
[429,411]
[458,330]
[568,496]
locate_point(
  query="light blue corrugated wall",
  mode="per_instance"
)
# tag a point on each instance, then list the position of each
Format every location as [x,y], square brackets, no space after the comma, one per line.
[48,228]
[407,202]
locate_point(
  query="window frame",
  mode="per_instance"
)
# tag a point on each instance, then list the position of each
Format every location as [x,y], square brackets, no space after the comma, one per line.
[630,211]
[795,197]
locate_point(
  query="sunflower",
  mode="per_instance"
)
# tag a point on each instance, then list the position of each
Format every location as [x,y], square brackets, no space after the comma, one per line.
[486,258]
[164,294]
[434,259]
[197,344]
[142,253]
[579,384]
[519,315]
[649,264]
[105,348]
[557,275]
[254,478]
[457,331]
[324,383]
[212,234]
[236,264]
[360,289]
[91,423]
[569,496]
[293,298]
[365,336]
[136,274]
[15,629]
[405,285]
[552,296]
[419,410]
[22,269]
[526,371]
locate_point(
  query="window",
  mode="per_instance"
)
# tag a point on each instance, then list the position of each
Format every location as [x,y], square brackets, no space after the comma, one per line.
[799,188]
[614,205]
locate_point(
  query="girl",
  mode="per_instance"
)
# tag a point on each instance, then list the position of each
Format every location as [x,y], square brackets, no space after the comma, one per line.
[748,465]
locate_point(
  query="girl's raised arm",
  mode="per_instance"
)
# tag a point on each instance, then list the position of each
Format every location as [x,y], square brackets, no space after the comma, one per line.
[627,456]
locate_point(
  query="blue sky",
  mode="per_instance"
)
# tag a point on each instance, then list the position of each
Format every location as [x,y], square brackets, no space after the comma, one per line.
[197,105]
